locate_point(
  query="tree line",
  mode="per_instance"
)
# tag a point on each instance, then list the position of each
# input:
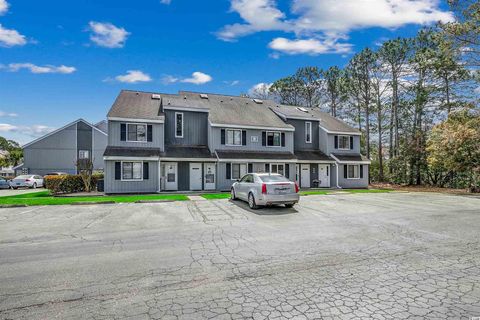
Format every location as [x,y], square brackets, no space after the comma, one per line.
[401,96]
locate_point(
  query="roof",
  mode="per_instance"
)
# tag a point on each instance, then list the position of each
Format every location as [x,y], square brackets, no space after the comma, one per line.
[102,125]
[326,121]
[131,152]
[350,157]
[314,155]
[187,152]
[254,155]
[136,105]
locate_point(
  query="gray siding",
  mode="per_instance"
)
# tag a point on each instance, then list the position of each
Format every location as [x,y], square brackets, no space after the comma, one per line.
[84,137]
[353,183]
[99,145]
[215,144]
[195,128]
[118,186]
[114,136]
[327,144]
[299,135]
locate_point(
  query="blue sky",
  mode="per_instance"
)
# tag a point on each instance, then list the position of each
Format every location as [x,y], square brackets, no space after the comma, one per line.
[63,60]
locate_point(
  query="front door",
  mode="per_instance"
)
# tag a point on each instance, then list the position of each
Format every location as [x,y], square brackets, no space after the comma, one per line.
[324,175]
[171,176]
[195,176]
[305,176]
[209,173]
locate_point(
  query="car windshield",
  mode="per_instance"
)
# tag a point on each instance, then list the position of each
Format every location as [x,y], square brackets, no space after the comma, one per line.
[273,179]
[22,177]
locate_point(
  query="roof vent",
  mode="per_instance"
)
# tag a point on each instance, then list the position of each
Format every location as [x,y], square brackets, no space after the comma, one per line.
[156,96]
[302,109]
[258,101]
[203,95]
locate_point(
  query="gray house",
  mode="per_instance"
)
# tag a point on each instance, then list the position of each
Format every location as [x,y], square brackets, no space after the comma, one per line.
[192,141]
[59,150]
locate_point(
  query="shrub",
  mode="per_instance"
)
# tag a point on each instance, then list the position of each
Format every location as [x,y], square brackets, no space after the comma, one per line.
[67,183]
[54,183]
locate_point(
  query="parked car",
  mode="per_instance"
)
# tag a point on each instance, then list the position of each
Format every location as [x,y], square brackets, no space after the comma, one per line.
[57,174]
[27,181]
[263,189]
[4,183]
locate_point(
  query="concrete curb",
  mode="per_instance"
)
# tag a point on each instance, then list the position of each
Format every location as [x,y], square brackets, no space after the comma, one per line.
[5,206]
[91,202]
[155,201]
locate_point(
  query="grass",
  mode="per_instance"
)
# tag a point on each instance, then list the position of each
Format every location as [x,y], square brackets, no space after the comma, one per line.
[44,198]
[214,196]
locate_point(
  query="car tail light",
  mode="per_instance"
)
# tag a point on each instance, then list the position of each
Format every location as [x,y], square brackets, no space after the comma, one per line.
[296,188]
[264,188]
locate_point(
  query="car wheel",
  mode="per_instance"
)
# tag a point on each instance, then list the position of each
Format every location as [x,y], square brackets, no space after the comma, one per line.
[34,185]
[232,194]
[251,202]
[15,188]
[289,205]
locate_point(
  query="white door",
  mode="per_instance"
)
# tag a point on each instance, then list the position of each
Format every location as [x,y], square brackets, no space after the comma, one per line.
[324,175]
[195,176]
[171,176]
[305,176]
[209,176]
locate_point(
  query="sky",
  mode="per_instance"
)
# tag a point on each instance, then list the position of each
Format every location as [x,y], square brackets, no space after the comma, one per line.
[64,60]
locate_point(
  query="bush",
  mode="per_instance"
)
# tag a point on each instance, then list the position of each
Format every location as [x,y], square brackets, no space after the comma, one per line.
[67,183]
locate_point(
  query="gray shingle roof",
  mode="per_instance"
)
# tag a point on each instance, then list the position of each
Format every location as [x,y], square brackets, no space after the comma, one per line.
[131,152]
[254,155]
[187,152]
[136,105]
[350,157]
[316,155]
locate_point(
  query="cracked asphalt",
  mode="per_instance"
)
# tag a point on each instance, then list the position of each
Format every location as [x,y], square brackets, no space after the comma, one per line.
[345,256]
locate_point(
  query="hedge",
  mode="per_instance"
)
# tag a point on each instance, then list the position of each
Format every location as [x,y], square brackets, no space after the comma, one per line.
[69,183]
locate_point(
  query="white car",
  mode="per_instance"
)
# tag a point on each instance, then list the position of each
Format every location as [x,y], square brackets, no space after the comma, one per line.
[263,189]
[27,181]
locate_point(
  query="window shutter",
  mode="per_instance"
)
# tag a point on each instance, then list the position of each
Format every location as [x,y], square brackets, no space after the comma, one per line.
[222,136]
[351,142]
[118,170]
[336,142]
[228,173]
[287,171]
[345,171]
[283,139]
[361,171]
[244,137]
[267,167]
[149,133]
[145,170]
[264,138]
[250,168]
[123,132]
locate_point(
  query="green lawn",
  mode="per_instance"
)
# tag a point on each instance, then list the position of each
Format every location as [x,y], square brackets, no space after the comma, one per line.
[214,196]
[44,198]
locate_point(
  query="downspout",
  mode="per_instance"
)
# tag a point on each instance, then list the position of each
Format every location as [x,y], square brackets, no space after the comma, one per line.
[159,178]
[338,169]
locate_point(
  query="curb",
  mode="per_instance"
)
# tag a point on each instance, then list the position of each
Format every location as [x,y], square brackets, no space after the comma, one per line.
[155,201]
[91,202]
[5,206]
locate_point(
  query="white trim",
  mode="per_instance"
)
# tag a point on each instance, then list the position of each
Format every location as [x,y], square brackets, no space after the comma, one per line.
[185,109]
[257,160]
[236,126]
[341,132]
[177,136]
[226,137]
[130,180]
[310,123]
[141,124]
[350,162]
[121,158]
[348,139]
[134,120]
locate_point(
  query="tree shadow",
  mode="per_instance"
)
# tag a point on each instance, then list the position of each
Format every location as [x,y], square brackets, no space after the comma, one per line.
[275,210]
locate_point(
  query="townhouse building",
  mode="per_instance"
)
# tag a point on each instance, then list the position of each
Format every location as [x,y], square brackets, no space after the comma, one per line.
[194,141]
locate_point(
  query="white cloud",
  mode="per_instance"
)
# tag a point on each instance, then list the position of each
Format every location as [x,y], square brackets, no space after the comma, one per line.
[10,38]
[8,114]
[133,76]
[232,83]
[3,7]
[260,90]
[198,78]
[14,67]
[168,79]
[167,2]
[107,35]
[309,46]
[33,131]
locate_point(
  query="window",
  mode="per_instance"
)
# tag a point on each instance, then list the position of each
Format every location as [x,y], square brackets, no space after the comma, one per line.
[308,132]
[344,142]
[277,168]
[248,178]
[274,139]
[353,172]
[137,132]
[83,154]
[178,125]
[132,170]
[234,137]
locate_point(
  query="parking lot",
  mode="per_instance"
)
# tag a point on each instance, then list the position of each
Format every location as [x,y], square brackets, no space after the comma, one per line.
[343,256]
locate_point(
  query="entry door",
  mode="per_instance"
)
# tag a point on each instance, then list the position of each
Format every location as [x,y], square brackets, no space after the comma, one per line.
[305,176]
[195,176]
[243,169]
[209,172]
[324,175]
[171,176]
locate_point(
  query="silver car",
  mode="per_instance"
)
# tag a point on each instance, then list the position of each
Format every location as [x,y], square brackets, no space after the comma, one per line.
[263,189]
[27,181]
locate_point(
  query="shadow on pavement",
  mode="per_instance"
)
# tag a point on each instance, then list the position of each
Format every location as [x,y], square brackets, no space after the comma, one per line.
[265,211]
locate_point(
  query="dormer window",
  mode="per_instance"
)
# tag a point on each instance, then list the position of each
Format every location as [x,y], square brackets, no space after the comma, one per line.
[344,142]
[136,132]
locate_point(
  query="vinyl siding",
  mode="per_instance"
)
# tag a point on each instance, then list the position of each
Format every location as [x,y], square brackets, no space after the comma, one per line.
[327,145]
[353,183]
[195,128]
[215,141]
[99,145]
[114,136]
[118,186]
[299,135]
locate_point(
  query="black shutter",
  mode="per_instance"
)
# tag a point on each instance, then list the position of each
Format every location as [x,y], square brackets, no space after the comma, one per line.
[283,139]
[250,168]
[361,171]
[228,173]
[287,171]
[118,170]
[264,138]
[123,132]
[222,136]
[244,137]
[336,142]
[267,167]
[345,171]
[149,133]
[351,142]
[145,171]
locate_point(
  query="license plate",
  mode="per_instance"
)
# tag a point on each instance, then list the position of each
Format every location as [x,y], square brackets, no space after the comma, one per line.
[282,190]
